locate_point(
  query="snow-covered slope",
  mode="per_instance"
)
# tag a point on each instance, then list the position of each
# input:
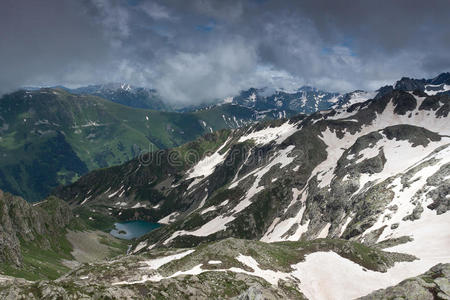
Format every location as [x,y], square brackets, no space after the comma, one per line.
[347,100]
[378,144]
[434,86]
[433,89]
[376,172]
[305,100]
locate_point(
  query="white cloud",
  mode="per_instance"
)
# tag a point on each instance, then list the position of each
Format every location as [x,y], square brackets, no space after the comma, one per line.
[156,11]
[217,72]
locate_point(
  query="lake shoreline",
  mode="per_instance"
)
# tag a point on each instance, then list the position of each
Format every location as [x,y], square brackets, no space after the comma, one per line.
[133,229]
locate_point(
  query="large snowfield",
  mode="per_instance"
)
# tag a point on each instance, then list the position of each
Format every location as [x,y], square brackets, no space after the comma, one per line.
[326,275]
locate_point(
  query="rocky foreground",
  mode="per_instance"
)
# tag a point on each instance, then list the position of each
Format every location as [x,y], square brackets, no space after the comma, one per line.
[231,268]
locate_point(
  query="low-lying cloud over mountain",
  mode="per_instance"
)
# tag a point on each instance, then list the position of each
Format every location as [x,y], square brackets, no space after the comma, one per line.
[199,50]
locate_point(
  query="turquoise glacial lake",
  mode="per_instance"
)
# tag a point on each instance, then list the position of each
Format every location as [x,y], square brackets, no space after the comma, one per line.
[132,229]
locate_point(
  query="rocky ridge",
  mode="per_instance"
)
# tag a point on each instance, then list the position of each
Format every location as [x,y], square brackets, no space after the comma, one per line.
[227,269]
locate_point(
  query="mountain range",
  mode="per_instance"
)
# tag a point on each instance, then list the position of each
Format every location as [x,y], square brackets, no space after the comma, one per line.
[52,136]
[339,203]
[125,94]
[265,102]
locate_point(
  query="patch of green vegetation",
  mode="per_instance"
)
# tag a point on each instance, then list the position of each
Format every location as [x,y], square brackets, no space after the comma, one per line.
[51,205]
[116,246]
[213,117]
[77,224]
[33,170]
[393,242]
[67,176]
[195,220]
[227,284]
[41,262]
[95,220]
[427,279]
[189,154]
[149,192]
[55,137]
[368,257]
[224,193]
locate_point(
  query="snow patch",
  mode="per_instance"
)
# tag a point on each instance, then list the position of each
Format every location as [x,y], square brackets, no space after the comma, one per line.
[169,218]
[324,232]
[206,166]
[154,264]
[140,246]
[139,205]
[215,225]
[268,275]
[432,90]
[269,134]
[347,221]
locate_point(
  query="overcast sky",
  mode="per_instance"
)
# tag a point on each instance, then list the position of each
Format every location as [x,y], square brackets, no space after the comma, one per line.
[195,50]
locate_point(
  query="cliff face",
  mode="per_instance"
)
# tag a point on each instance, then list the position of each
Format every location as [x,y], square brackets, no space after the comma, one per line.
[21,221]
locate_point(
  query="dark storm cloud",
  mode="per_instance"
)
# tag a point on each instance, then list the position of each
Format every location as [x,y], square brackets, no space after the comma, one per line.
[203,49]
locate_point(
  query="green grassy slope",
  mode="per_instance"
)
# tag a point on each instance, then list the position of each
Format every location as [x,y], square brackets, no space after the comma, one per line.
[51,137]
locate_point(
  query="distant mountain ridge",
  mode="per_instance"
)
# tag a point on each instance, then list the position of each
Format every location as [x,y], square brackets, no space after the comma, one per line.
[433,86]
[126,94]
[276,102]
[19,176]
[265,102]
[305,100]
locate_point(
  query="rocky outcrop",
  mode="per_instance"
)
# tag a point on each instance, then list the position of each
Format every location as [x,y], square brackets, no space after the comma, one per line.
[431,86]
[409,84]
[434,284]
[22,222]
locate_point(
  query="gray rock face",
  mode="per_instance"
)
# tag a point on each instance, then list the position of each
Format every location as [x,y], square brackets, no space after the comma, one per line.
[434,284]
[428,85]
[409,84]
[305,100]
[441,201]
[21,221]
[257,293]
